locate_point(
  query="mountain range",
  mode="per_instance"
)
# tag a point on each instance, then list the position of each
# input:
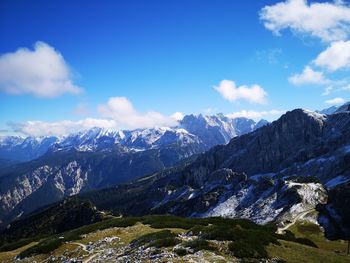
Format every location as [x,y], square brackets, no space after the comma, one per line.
[203,131]
[295,167]
[38,171]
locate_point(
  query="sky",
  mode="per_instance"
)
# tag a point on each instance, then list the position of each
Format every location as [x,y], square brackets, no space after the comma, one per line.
[72,65]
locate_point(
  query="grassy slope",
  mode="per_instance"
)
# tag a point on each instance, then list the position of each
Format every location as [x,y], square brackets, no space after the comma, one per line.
[327,251]
[315,233]
[296,253]
[128,231]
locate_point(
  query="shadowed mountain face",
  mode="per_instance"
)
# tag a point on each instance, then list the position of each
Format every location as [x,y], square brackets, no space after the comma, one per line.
[67,215]
[335,215]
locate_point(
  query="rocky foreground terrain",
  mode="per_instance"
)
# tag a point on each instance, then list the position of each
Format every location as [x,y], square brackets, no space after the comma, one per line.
[170,239]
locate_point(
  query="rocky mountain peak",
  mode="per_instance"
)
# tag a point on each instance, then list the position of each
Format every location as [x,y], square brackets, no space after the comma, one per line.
[344,108]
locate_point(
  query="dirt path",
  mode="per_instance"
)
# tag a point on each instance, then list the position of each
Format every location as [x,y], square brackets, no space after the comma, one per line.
[84,247]
[81,245]
[90,258]
[299,216]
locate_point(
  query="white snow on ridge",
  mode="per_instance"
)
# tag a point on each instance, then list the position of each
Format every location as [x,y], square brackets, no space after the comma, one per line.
[315,114]
[311,193]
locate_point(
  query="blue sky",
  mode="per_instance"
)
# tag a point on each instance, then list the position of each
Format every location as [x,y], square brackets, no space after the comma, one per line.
[160,57]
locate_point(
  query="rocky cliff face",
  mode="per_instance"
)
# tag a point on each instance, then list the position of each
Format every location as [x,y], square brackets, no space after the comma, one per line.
[334,216]
[28,186]
[218,129]
[277,172]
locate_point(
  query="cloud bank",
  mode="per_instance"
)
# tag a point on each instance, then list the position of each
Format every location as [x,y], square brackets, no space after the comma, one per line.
[121,110]
[308,76]
[41,72]
[60,128]
[117,113]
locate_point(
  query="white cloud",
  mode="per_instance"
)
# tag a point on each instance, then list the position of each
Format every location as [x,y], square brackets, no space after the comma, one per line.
[335,101]
[327,21]
[123,112]
[118,113]
[335,57]
[307,77]
[41,72]
[59,128]
[255,114]
[229,90]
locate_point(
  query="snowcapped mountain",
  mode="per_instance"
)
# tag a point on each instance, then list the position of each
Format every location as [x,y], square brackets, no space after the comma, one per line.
[99,158]
[25,149]
[286,170]
[344,108]
[218,129]
[201,131]
[329,110]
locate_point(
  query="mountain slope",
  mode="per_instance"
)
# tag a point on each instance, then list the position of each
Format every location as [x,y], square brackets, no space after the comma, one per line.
[273,173]
[99,158]
[296,167]
[28,186]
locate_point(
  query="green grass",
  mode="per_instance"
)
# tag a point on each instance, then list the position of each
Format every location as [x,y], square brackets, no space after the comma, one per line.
[17,244]
[292,252]
[239,238]
[290,236]
[309,229]
[168,221]
[314,233]
[164,238]
[241,249]
[199,244]
[51,243]
[212,228]
[164,242]
[248,240]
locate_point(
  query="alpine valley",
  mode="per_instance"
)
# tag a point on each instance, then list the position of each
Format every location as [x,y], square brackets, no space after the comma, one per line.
[224,190]
[41,171]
